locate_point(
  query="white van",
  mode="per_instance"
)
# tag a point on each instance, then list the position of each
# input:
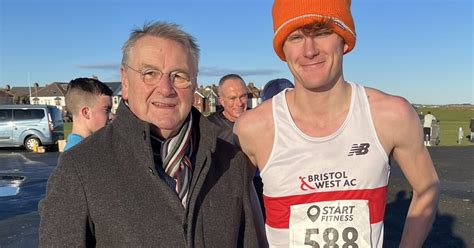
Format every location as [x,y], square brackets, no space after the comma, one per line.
[30,126]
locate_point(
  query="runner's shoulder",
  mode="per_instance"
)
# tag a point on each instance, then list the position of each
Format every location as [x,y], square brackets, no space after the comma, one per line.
[389,108]
[255,121]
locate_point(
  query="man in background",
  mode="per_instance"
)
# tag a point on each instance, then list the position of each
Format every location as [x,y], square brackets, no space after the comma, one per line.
[427,125]
[233,96]
[274,87]
[89,101]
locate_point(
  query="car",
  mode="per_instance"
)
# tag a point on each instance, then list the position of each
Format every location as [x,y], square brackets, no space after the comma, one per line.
[30,126]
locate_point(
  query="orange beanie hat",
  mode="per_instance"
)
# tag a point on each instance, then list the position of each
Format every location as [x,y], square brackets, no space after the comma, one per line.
[289,15]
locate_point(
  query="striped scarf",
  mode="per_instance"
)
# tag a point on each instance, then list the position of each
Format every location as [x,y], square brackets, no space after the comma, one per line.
[176,153]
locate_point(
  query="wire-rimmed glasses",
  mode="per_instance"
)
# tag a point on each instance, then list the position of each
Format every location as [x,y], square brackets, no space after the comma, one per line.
[180,80]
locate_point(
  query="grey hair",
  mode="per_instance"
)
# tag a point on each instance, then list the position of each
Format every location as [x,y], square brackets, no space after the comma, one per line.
[164,30]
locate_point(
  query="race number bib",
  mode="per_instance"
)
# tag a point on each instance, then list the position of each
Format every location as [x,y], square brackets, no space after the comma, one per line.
[343,223]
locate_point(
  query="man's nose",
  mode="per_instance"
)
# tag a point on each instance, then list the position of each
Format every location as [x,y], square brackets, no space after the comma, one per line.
[165,86]
[310,47]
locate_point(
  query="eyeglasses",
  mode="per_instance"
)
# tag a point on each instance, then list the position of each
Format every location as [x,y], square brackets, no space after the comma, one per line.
[242,98]
[179,80]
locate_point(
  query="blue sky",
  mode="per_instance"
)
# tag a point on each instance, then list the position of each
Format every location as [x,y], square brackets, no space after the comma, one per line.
[419,49]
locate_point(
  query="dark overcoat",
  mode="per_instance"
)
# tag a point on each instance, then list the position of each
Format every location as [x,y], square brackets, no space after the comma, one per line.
[106,192]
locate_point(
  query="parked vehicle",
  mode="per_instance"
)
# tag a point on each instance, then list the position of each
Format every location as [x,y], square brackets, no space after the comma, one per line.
[30,126]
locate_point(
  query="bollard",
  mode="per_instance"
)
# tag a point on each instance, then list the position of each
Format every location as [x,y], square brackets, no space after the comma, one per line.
[460,135]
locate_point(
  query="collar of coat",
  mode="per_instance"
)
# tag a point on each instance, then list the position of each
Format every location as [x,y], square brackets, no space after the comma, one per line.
[137,130]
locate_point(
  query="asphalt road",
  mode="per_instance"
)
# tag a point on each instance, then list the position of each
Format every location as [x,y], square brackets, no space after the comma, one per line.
[453,226]
[19,219]
[454,222]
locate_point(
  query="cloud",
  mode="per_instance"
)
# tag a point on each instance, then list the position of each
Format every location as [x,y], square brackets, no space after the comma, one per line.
[101,66]
[217,71]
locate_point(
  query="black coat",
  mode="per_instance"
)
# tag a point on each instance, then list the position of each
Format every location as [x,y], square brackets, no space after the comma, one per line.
[106,192]
[225,131]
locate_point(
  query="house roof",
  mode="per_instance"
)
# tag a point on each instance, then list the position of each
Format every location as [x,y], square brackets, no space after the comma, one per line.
[4,93]
[200,92]
[5,97]
[54,89]
[20,91]
[253,91]
[116,87]
[210,90]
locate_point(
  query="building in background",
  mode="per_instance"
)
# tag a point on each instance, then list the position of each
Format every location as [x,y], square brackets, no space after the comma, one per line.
[253,95]
[205,97]
[116,88]
[6,97]
[52,94]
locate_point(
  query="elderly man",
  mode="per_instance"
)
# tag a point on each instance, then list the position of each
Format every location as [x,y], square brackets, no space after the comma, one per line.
[233,97]
[324,147]
[157,176]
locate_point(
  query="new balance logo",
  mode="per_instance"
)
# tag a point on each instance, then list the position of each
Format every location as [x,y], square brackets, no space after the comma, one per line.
[359,149]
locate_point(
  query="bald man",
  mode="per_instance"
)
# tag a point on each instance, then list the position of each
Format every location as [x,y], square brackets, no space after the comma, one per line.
[233,97]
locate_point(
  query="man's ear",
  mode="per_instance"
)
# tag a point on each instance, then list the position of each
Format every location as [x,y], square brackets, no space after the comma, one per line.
[85,112]
[346,47]
[125,83]
[221,100]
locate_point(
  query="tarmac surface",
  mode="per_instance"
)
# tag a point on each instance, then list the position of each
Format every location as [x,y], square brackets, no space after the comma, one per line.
[453,226]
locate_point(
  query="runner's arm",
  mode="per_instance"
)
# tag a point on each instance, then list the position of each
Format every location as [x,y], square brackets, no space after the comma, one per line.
[416,164]
[244,131]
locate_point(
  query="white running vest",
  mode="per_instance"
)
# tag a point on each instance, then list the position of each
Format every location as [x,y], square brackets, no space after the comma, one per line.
[326,190]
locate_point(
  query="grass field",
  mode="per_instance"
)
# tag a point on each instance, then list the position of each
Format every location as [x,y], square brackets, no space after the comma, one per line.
[67,129]
[450,121]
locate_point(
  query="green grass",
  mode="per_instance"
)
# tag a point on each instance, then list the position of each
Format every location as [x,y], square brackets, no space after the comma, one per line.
[67,129]
[450,121]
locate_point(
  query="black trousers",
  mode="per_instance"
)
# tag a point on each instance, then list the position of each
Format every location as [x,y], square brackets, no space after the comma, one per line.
[427,133]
